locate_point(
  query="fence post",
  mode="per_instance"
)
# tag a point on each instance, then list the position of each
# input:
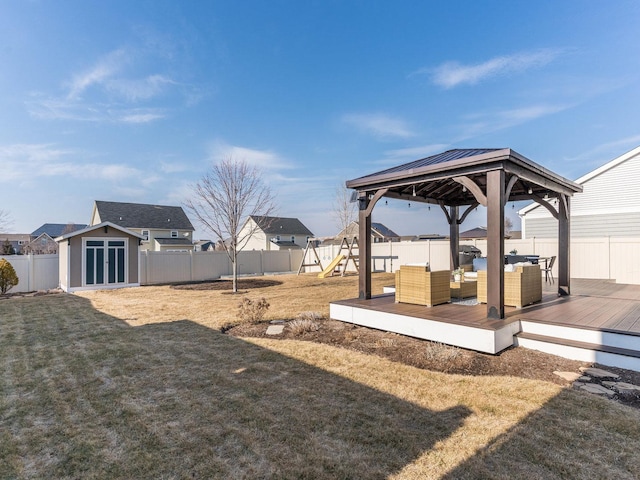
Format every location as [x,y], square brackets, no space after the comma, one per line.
[191,265]
[31,274]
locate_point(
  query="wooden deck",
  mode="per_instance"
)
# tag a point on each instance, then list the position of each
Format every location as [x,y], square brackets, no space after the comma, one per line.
[600,314]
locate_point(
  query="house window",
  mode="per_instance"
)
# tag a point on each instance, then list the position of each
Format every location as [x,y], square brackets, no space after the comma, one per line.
[20,242]
[174,234]
[43,241]
[293,238]
[145,234]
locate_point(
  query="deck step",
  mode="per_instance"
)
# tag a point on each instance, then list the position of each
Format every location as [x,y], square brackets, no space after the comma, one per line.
[584,351]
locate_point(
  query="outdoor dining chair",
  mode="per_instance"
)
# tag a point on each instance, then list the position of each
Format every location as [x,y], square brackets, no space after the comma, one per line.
[548,274]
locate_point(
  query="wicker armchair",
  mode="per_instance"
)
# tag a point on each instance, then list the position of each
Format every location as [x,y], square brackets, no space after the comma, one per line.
[521,287]
[417,285]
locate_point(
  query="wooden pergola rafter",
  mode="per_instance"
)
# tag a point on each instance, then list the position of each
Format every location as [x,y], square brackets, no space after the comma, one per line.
[458,181]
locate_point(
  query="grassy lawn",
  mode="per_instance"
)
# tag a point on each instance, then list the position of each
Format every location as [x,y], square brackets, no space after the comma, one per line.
[140,383]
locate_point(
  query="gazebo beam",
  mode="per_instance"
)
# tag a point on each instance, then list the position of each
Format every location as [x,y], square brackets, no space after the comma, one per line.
[495,243]
[564,247]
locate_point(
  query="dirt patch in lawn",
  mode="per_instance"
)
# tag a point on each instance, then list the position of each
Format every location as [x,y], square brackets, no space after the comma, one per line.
[517,362]
[245,284]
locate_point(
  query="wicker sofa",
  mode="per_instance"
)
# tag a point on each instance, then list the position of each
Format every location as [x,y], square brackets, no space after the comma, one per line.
[417,285]
[521,287]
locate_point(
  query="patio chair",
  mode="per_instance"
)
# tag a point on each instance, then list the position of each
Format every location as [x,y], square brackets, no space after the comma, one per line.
[417,285]
[521,287]
[548,274]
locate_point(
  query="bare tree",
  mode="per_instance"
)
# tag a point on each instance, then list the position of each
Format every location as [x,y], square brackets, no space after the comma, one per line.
[229,193]
[5,221]
[345,210]
[508,225]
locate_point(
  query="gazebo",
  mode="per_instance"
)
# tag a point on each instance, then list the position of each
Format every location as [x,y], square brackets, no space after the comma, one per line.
[458,181]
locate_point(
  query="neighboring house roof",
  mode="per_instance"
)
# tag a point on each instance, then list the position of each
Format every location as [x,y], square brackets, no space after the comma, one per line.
[56,229]
[277,225]
[15,237]
[377,229]
[383,230]
[478,232]
[285,243]
[142,215]
[96,227]
[173,241]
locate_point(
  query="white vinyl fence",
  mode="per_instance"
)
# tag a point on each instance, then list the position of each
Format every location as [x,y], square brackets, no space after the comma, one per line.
[35,272]
[616,258]
[174,267]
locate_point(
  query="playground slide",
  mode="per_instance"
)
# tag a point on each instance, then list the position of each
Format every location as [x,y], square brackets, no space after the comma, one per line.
[329,270]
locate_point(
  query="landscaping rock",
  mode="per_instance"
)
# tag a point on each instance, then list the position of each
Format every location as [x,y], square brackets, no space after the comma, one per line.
[598,372]
[623,387]
[597,389]
[568,376]
[275,329]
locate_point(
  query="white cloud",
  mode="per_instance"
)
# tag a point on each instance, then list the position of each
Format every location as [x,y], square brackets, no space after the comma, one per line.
[141,117]
[485,122]
[28,161]
[453,74]
[378,124]
[264,159]
[104,69]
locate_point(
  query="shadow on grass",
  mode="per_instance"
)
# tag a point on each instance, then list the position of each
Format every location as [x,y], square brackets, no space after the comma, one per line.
[88,396]
[574,435]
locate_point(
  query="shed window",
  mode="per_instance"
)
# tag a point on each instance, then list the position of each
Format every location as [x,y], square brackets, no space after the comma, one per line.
[174,234]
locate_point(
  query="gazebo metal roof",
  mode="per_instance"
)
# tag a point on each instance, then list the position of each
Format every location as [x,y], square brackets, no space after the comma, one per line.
[439,178]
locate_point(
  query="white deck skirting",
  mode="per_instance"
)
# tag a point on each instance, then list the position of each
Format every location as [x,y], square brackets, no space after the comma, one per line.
[474,338]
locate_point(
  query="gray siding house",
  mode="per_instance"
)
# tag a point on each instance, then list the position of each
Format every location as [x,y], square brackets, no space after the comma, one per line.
[609,205]
[163,228]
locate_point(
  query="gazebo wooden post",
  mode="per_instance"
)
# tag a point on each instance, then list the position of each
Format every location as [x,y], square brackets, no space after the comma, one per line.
[454,237]
[495,243]
[364,247]
[564,245]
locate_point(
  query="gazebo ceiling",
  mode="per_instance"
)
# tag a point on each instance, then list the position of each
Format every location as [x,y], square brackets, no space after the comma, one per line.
[458,177]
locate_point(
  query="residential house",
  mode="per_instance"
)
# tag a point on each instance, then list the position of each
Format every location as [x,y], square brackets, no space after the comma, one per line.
[379,233]
[42,239]
[609,204]
[13,243]
[204,246]
[163,228]
[274,233]
[478,233]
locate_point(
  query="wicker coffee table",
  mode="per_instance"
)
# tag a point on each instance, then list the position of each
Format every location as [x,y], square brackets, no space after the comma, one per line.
[463,289]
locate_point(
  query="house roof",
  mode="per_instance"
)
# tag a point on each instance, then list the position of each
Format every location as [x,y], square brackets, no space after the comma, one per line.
[278,225]
[56,229]
[173,241]
[384,230]
[286,243]
[377,228]
[96,227]
[143,216]
[588,176]
[455,177]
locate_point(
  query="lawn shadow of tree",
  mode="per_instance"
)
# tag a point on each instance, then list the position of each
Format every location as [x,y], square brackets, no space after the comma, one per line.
[90,396]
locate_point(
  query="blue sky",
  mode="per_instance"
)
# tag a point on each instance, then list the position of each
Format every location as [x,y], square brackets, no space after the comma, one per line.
[133,101]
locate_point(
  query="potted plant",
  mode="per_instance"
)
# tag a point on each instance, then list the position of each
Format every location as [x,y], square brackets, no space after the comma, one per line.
[458,275]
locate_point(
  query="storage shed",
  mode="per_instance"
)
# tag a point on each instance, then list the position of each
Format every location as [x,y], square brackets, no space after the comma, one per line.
[100,256]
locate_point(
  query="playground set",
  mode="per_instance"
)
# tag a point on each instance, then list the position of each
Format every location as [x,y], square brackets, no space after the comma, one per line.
[348,253]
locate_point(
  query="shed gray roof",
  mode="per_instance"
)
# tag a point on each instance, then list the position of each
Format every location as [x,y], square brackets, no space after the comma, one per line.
[143,216]
[279,225]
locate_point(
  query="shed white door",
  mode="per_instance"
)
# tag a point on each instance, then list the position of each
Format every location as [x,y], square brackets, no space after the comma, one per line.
[105,262]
